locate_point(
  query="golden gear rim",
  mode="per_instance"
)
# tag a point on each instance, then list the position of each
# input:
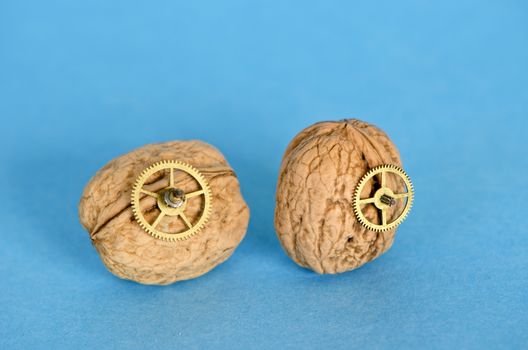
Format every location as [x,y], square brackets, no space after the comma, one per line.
[138,190]
[357,201]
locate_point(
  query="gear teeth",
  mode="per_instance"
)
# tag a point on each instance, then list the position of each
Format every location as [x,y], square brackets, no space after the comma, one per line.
[196,175]
[359,188]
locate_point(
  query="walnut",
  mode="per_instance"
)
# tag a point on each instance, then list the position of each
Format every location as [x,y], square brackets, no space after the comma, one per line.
[314,216]
[131,253]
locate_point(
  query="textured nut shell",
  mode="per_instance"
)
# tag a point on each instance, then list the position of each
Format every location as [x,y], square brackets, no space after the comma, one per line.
[314,216]
[131,253]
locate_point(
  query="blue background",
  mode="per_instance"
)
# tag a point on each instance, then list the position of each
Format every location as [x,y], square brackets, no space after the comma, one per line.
[84,82]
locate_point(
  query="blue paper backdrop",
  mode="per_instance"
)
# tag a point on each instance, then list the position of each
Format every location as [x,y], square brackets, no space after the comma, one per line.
[82,82]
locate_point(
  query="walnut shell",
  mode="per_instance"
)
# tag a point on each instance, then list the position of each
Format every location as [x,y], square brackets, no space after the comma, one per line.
[131,253]
[314,215]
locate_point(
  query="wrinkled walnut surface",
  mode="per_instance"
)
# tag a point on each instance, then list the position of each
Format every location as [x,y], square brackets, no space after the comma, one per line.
[131,253]
[314,215]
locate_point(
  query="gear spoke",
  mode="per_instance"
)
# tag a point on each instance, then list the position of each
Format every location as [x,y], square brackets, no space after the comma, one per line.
[149,193]
[383,179]
[171,179]
[384,217]
[158,220]
[194,194]
[367,200]
[400,195]
[186,220]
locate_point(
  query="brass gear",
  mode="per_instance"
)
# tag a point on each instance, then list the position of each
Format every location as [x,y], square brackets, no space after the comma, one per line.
[383,198]
[171,201]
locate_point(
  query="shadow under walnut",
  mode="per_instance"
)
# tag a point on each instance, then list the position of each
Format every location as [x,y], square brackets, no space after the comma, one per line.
[131,253]
[314,215]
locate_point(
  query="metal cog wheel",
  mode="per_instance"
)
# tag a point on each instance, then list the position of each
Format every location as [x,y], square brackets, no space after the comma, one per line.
[383,198]
[171,200]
